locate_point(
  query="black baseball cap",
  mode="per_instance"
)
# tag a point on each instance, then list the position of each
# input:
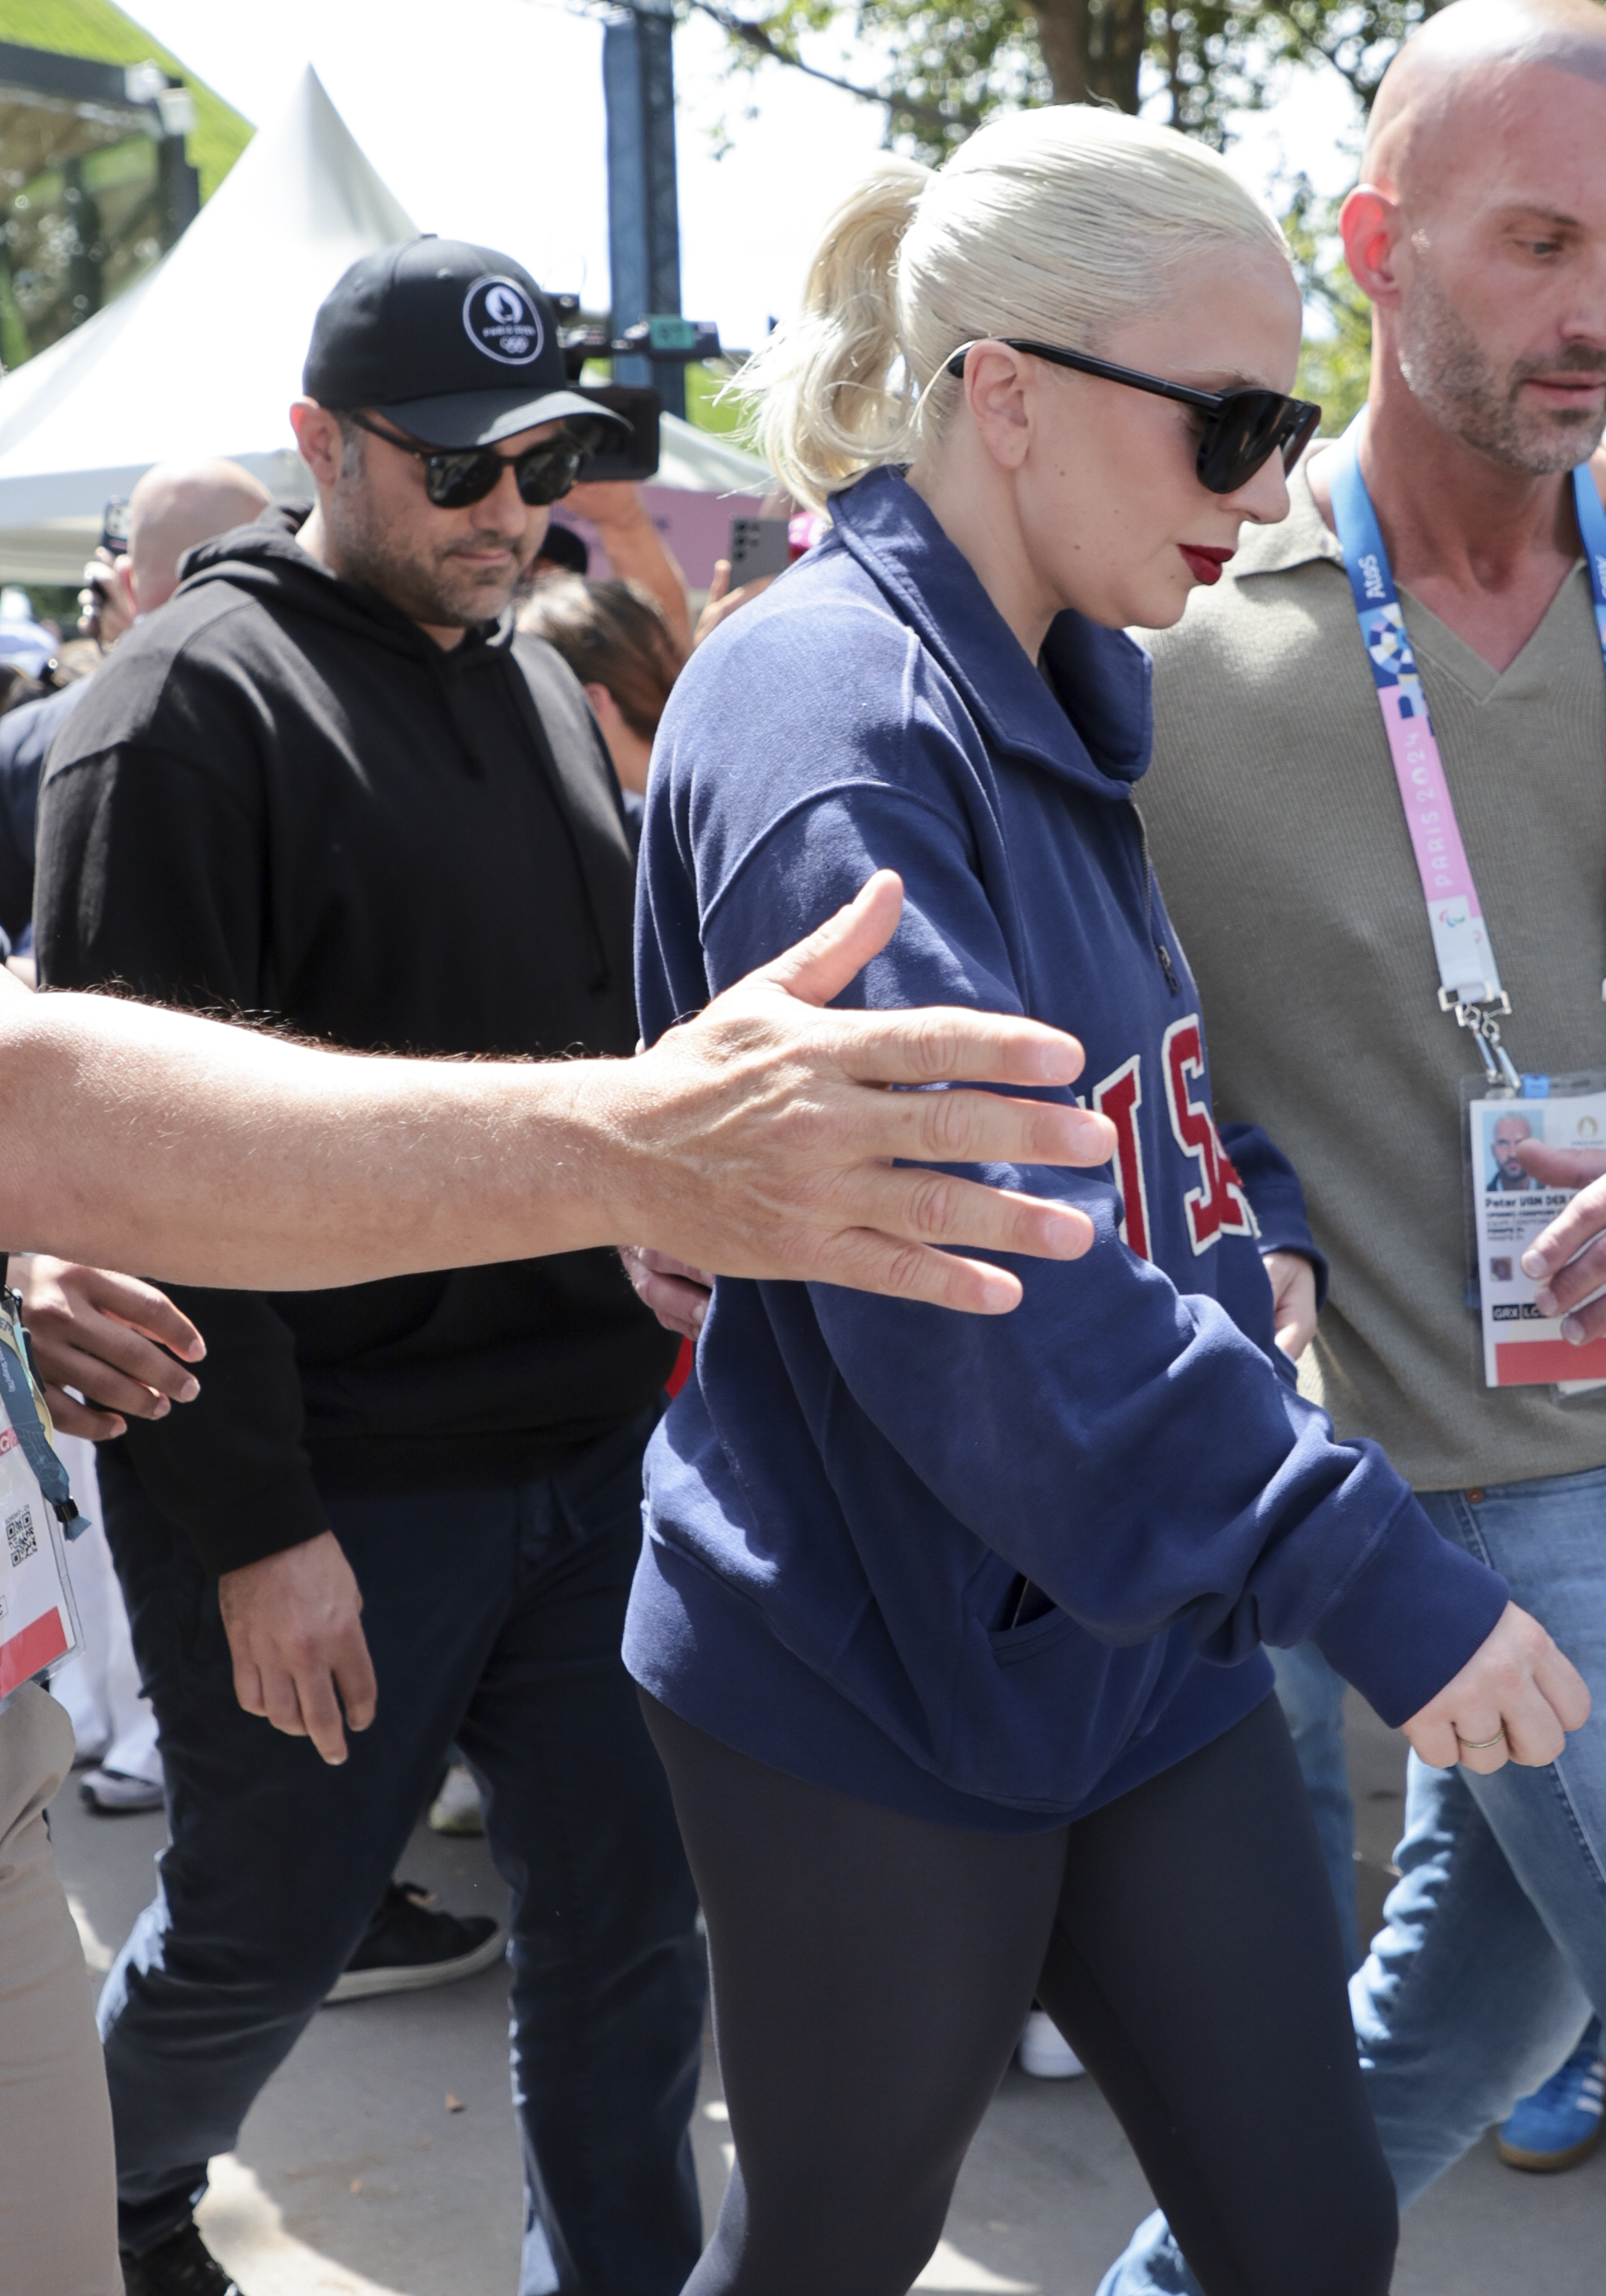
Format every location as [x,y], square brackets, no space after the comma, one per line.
[454,344]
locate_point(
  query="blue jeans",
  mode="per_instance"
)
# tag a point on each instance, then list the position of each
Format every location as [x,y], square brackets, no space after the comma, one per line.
[1493,1951]
[1312,1698]
[494,1618]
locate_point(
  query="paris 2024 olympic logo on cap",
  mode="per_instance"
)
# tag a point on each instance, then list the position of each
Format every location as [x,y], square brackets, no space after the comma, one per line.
[502,322]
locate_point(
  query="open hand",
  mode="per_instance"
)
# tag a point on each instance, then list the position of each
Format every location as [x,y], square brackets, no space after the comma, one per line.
[804,1184]
[1515,1700]
[110,1336]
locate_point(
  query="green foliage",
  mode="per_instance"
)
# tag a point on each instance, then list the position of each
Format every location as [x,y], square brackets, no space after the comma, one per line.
[1359,42]
[14,345]
[956,65]
[98,30]
[1336,360]
[710,404]
[951,64]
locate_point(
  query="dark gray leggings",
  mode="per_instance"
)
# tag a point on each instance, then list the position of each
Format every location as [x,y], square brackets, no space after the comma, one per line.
[871,1973]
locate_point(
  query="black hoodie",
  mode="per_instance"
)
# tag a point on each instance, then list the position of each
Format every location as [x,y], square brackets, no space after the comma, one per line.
[280,797]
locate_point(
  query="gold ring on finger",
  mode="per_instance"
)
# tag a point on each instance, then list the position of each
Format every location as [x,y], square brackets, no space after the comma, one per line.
[1478,1746]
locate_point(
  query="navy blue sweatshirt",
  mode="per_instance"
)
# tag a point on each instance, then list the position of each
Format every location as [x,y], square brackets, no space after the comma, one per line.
[991,1570]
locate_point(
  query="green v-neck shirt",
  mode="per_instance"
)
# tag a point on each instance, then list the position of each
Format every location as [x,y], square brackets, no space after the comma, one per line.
[1281,844]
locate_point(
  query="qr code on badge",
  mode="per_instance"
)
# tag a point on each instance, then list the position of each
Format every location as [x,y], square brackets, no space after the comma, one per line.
[20,1536]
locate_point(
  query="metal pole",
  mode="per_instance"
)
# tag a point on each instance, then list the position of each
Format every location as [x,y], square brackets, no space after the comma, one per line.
[643,219]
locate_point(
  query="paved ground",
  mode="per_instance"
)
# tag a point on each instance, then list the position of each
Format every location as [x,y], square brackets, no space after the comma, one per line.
[354,2176]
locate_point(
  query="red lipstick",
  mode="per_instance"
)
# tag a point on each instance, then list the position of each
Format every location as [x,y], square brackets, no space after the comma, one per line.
[1204,563]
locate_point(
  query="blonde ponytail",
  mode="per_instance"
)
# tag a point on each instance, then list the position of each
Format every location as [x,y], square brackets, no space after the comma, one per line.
[833,398]
[1058,224]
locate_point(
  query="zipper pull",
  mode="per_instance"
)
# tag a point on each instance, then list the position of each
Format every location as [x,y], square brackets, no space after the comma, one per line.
[1165,966]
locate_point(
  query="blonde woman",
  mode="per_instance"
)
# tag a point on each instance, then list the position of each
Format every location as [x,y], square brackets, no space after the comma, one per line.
[949,1636]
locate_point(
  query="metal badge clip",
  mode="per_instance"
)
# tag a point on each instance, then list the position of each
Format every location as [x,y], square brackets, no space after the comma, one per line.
[1478,1015]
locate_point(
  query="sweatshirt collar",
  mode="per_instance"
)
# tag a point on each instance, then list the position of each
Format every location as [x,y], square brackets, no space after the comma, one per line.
[1099,738]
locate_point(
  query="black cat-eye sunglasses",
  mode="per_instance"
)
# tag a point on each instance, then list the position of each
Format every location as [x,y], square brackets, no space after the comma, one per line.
[1242,430]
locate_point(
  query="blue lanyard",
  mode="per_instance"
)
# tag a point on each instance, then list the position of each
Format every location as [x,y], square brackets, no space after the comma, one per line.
[17,1398]
[1591,526]
[1470,984]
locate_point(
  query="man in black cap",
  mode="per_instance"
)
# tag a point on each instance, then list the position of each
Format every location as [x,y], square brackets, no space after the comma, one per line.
[330,785]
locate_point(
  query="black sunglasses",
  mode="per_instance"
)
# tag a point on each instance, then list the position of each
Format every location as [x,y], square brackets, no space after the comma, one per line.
[456,477]
[1242,429]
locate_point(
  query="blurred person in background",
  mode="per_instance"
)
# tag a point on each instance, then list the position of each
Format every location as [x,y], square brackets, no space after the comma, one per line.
[615,637]
[173,507]
[105,609]
[617,510]
[562,552]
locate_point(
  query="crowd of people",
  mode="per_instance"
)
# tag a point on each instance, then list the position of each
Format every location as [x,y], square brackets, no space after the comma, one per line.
[961,1652]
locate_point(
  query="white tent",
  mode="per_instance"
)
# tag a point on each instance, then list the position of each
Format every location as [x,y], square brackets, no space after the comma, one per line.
[203,355]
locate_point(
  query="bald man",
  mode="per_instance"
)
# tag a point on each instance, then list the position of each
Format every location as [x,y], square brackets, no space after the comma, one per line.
[173,509]
[1479,234]
[1510,1176]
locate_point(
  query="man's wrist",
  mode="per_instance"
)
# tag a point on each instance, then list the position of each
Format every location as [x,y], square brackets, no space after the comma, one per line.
[612,1113]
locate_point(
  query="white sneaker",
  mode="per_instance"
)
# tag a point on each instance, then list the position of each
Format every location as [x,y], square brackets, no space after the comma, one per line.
[112,1793]
[1044,2053]
[455,1808]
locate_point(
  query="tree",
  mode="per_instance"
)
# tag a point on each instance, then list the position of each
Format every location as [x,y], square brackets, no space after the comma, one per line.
[953,63]
[1335,358]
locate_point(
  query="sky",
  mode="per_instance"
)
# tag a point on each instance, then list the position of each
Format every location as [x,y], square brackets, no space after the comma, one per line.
[485,120]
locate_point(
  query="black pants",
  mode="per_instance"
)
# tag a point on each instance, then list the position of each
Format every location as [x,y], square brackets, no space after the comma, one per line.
[494,1619]
[871,1973]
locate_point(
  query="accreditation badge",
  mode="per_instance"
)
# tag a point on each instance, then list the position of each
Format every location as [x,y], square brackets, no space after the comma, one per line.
[38,1619]
[1521,1348]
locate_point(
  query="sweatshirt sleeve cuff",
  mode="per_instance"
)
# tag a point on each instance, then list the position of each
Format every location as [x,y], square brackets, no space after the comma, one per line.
[284,1512]
[1410,1618]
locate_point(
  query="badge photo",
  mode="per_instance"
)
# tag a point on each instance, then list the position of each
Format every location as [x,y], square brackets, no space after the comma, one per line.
[502,322]
[1505,1129]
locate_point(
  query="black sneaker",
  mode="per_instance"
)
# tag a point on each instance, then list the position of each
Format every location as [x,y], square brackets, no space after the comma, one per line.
[406,1946]
[184,2266]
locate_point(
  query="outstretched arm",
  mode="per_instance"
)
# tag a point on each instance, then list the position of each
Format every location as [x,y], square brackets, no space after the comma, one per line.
[756,1140]
[636,551]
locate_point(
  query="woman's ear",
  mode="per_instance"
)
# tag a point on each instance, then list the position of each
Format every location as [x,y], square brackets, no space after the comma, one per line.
[995,390]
